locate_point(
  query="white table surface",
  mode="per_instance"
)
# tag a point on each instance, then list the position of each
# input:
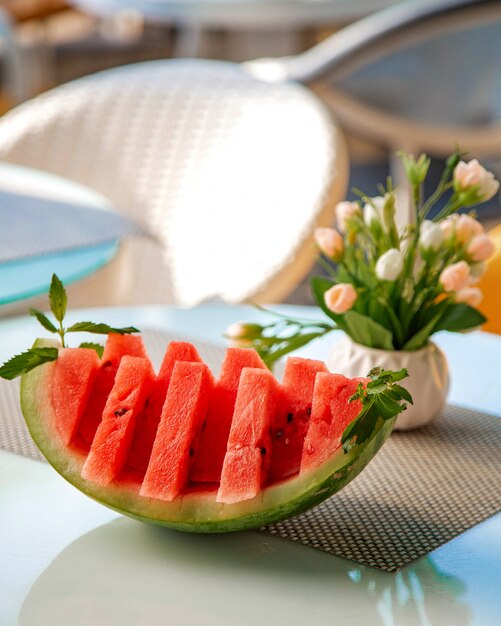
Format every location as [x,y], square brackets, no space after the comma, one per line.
[65,559]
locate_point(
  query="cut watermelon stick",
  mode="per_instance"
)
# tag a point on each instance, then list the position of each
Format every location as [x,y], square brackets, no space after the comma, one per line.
[74,373]
[209,461]
[116,347]
[183,415]
[331,412]
[149,419]
[291,421]
[109,450]
[246,461]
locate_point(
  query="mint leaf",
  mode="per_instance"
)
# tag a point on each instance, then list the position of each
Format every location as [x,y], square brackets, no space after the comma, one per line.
[93,346]
[382,399]
[57,298]
[26,361]
[44,320]
[100,329]
[404,394]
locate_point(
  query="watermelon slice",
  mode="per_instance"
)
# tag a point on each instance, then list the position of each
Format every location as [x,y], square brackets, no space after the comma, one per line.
[116,347]
[331,413]
[246,461]
[74,374]
[183,415]
[149,419]
[246,495]
[110,446]
[209,462]
[291,421]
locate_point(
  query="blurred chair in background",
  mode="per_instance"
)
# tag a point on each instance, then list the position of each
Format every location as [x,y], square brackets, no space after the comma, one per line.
[421,76]
[227,173]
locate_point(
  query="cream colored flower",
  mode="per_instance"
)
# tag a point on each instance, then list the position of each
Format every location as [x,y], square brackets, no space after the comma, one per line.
[472,174]
[470,295]
[456,276]
[340,298]
[389,266]
[242,333]
[463,226]
[481,248]
[373,211]
[346,211]
[330,242]
[431,236]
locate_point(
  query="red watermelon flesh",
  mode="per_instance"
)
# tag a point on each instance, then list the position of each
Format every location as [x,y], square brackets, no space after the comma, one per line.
[331,412]
[116,347]
[110,447]
[291,421]
[149,419]
[176,440]
[209,462]
[74,373]
[246,462]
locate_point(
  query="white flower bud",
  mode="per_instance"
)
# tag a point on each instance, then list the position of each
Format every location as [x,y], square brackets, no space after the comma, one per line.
[373,211]
[389,265]
[432,236]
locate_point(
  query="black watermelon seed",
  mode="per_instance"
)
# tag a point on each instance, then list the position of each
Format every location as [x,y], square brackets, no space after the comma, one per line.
[192,452]
[263,450]
[120,412]
[308,411]
[107,364]
[290,417]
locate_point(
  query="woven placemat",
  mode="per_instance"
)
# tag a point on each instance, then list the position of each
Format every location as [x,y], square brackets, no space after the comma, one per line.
[422,489]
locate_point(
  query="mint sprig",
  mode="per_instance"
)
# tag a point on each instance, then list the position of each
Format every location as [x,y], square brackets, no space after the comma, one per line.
[382,398]
[58,301]
[26,361]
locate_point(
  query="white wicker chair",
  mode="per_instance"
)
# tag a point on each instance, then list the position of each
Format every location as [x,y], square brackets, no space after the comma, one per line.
[229,174]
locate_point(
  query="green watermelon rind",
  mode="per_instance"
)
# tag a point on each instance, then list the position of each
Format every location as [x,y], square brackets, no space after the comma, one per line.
[198,513]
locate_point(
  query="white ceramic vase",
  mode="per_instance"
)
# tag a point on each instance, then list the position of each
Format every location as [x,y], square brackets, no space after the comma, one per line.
[428,381]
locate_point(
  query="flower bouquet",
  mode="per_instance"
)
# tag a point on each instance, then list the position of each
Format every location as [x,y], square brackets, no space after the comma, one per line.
[389,289]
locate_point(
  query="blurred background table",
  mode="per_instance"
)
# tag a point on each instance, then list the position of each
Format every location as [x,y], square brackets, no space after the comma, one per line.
[24,279]
[251,27]
[64,555]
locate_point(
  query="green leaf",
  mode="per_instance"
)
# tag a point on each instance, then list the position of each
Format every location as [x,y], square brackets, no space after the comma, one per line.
[386,376]
[388,407]
[26,361]
[364,330]
[361,428]
[382,399]
[57,298]
[458,317]
[404,394]
[44,320]
[420,339]
[100,329]
[93,346]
